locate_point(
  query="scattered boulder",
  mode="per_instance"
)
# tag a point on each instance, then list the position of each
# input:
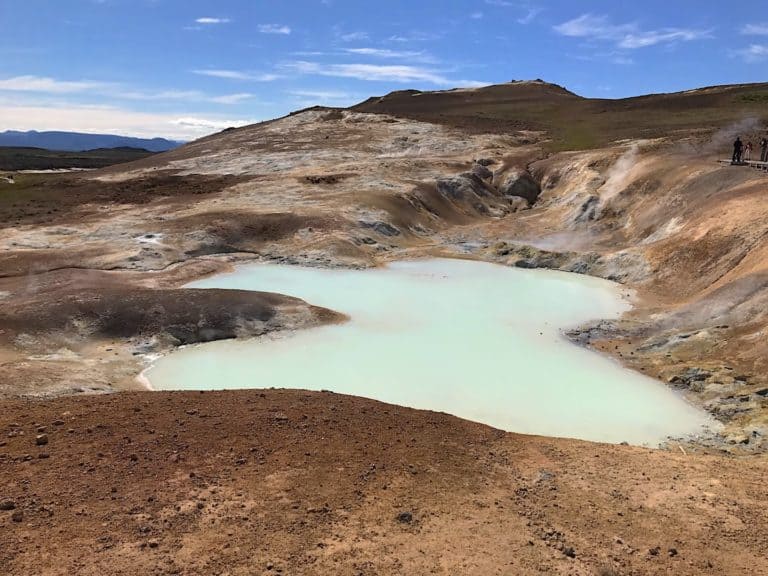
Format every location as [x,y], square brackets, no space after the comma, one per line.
[7,505]
[405,517]
[464,187]
[41,439]
[482,172]
[383,228]
[520,183]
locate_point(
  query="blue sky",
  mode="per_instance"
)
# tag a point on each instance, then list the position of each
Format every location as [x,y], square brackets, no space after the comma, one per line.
[184,68]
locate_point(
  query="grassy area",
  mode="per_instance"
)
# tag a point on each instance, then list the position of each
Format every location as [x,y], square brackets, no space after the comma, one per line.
[12,159]
[576,123]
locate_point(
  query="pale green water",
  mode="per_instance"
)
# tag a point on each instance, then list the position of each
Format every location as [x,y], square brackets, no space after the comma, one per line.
[472,339]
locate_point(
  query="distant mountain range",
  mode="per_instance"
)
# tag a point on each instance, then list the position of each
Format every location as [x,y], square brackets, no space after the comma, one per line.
[78,142]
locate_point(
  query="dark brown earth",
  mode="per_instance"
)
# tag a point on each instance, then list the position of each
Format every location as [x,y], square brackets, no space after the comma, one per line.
[294,482]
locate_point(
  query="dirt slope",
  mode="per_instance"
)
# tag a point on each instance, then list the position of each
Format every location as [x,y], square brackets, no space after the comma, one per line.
[295,482]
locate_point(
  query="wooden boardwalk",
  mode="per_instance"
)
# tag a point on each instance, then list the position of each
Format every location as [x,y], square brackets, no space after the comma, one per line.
[752,164]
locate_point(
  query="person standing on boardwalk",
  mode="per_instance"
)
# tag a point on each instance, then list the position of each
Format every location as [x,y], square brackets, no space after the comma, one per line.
[748,152]
[738,147]
[764,149]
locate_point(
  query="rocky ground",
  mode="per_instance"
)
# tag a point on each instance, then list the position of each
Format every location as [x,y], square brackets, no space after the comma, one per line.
[291,482]
[91,270]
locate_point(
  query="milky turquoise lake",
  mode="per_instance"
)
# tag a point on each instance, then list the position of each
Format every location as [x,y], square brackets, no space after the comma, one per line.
[480,341]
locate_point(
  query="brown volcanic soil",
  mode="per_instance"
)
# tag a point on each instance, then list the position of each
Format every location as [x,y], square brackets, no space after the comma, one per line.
[296,482]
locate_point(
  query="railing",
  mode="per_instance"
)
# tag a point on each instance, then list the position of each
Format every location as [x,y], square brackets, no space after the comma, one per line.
[750,163]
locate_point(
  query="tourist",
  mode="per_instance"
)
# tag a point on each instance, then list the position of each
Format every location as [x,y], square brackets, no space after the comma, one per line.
[764,149]
[737,150]
[748,152]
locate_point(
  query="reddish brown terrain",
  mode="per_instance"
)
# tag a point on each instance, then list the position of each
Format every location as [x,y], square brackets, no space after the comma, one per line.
[92,270]
[286,482]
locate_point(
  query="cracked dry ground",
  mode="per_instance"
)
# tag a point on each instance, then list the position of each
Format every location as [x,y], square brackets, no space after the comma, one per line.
[294,482]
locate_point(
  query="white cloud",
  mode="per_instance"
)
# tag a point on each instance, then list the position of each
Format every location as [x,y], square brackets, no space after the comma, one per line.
[353,36]
[324,97]
[589,26]
[386,53]
[322,94]
[232,98]
[111,120]
[50,85]
[274,29]
[202,126]
[530,16]
[379,73]
[530,11]
[653,37]
[754,53]
[476,15]
[416,36]
[209,20]
[237,75]
[626,36]
[757,29]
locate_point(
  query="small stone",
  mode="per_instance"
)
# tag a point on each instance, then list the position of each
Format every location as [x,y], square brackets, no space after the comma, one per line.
[672,552]
[153,543]
[405,517]
[43,455]
[134,457]
[6,505]
[569,552]
[17,516]
[41,439]
[654,551]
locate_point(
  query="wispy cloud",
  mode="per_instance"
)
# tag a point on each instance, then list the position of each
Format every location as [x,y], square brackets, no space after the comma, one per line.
[201,126]
[237,75]
[530,11]
[754,53]
[379,73]
[101,119]
[390,54]
[626,36]
[352,36]
[274,29]
[114,91]
[232,98]
[530,16]
[328,97]
[757,29]
[416,36]
[51,85]
[210,20]
[476,16]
